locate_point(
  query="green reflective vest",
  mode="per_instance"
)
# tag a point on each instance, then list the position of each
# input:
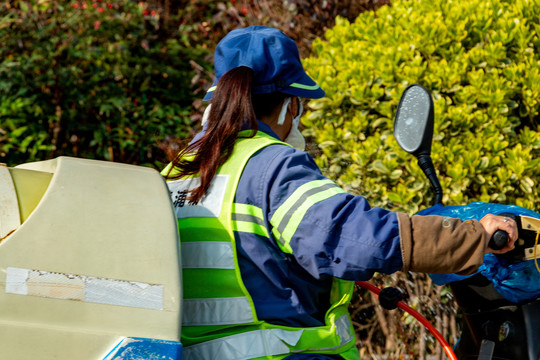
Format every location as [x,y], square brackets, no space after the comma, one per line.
[219,319]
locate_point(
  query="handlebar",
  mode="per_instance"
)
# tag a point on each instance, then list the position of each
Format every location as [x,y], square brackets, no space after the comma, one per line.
[498,240]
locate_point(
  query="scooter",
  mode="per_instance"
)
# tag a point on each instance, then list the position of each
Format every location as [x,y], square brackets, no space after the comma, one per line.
[501,302]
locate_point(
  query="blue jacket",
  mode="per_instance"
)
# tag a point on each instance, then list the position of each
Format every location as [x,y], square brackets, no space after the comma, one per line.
[340,236]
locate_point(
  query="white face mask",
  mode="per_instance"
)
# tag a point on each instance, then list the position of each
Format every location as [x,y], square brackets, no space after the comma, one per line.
[295,137]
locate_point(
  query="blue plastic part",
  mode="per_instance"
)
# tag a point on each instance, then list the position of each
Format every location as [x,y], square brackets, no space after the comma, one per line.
[132,348]
[477,210]
[516,282]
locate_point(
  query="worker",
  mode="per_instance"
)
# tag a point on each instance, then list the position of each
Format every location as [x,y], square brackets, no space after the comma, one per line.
[270,247]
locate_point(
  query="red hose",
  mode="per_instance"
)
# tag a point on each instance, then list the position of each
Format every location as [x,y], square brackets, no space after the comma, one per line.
[447,348]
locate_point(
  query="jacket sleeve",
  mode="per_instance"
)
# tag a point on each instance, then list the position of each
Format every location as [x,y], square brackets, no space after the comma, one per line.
[443,245]
[330,232]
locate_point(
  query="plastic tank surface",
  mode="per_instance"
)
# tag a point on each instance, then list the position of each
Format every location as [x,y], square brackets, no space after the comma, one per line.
[89,262]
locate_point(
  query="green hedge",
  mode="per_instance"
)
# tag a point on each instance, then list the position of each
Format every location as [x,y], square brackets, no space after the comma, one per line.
[93,79]
[480,59]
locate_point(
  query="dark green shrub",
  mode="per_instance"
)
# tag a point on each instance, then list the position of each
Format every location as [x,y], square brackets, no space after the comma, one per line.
[93,79]
[479,59]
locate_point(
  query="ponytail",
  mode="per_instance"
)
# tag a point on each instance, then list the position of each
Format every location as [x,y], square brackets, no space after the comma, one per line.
[232,110]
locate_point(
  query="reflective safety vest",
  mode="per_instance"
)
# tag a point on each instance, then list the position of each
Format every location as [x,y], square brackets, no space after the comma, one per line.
[219,318]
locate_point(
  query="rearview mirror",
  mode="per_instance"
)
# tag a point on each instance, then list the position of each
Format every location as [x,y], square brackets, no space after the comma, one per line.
[413,126]
[413,130]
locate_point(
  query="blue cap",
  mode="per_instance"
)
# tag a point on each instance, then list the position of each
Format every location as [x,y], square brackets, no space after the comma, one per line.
[271,55]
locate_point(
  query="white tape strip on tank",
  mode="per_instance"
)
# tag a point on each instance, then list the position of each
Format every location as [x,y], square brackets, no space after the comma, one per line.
[84,288]
[9,205]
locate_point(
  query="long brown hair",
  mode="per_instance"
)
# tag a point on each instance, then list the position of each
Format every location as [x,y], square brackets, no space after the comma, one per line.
[233,108]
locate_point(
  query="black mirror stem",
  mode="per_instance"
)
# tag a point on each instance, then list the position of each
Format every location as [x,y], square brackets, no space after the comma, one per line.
[425,163]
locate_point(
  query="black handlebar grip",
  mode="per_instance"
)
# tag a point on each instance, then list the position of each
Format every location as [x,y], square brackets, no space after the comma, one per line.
[498,240]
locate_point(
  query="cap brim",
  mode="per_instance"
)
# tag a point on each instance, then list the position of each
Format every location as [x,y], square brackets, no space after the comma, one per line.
[210,92]
[305,87]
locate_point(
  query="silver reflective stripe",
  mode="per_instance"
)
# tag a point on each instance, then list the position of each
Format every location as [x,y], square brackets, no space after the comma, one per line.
[207,255]
[247,218]
[290,214]
[259,343]
[301,200]
[343,329]
[249,224]
[249,345]
[220,311]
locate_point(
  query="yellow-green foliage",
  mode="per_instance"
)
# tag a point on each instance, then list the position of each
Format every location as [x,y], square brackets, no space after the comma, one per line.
[480,59]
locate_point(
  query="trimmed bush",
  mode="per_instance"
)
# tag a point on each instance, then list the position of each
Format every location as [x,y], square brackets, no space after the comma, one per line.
[91,79]
[481,62]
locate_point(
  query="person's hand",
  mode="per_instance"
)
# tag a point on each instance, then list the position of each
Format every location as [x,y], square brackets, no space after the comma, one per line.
[492,223]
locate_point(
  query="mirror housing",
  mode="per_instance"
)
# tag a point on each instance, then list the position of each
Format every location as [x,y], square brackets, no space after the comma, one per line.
[413,130]
[413,125]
